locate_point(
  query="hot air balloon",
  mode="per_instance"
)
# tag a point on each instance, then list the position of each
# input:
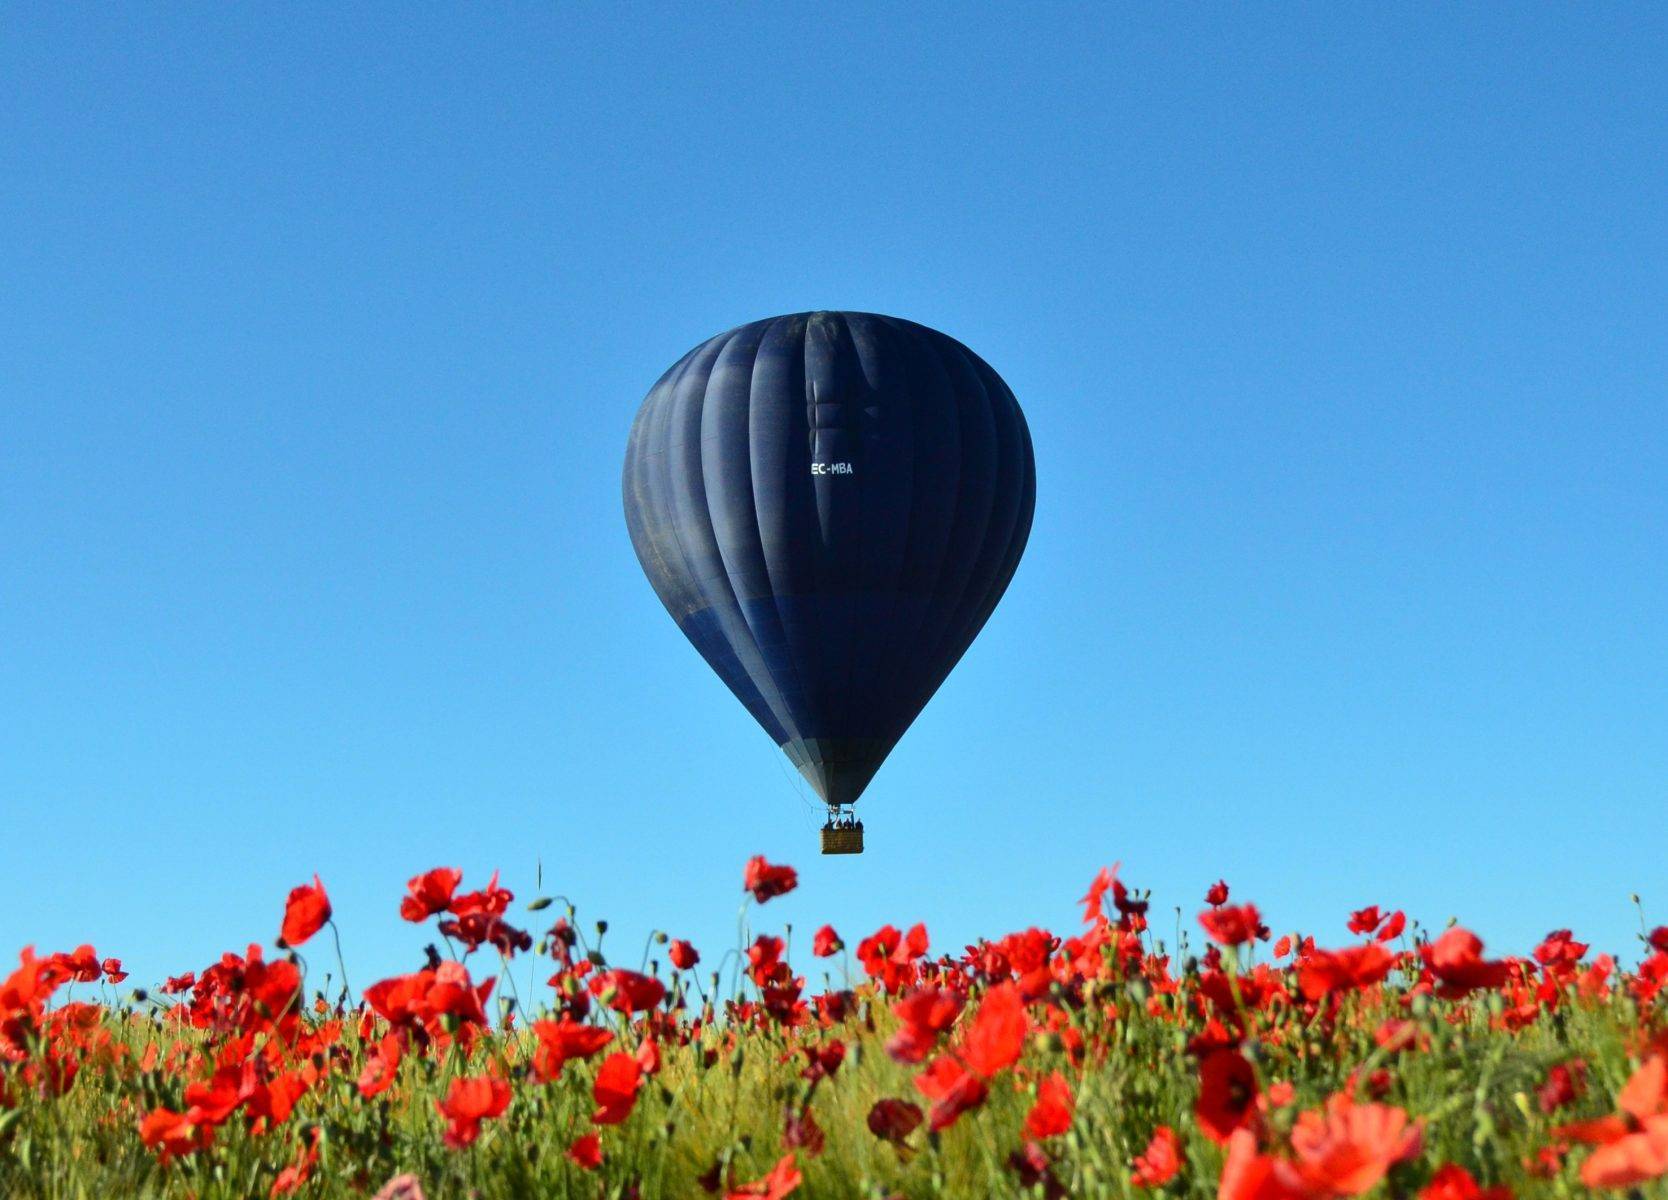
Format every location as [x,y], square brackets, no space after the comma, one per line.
[830,504]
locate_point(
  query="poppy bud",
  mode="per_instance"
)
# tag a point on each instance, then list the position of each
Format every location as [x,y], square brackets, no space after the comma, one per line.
[660,939]
[602,928]
[140,995]
[539,905]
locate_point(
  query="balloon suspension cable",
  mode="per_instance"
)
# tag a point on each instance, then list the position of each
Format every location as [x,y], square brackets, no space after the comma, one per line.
[842,832]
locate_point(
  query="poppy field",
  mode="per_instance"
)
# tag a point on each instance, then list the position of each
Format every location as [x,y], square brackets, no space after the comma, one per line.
[521,1059]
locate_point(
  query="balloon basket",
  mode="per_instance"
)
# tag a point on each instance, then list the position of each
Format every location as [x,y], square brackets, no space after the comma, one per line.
[846,839]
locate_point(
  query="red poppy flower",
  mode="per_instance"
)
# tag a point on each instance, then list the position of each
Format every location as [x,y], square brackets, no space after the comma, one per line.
[1456,960]
[648,1056]
[491,901]
[1095,898]
[1347,1149]
[1132,913]
[1232,926]
[1365,920]
[381,1067]
[293,1176]
[767,881]
[826,943]
[890,956]
[424,998]
[1217,894]
[683,955]
[268,1102]
[471,1101]
[784,1177]
[1392,927]
[1564,1085]
[172,1135]
[1454,1182]
[112,968]
[953,1090]
[216,1098]
[764,960]
[586,1151]
[834,1007]
[1227,1094]
[1658,939]
[81,965]
[800,1131]
[562,1041]
[615,1088]
[627,991]
[1250,1175]
[430,893]
[1160,1162]
[997,1036]
[477,927]
[179,983]
[1323,972]
[1030,1162]
[1633,1159]
[823,1060]
[305,913]
[923,1014]
[1051,1115]
[1632,1148]
[894,1120]
[1559,949]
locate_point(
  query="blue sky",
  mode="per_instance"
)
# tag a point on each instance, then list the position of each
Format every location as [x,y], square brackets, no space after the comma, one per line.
[1339,331]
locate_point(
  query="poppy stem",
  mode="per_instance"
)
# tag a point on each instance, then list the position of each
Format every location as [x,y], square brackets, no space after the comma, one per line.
[507,971]
[336,937]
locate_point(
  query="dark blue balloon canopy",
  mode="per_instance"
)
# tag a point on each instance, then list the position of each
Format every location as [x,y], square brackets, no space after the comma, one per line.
[830,505]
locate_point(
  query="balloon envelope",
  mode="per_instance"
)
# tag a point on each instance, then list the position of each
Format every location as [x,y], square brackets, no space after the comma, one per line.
[830,505]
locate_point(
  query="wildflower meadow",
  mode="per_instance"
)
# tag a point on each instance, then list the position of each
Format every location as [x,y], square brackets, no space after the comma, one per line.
[521,1060]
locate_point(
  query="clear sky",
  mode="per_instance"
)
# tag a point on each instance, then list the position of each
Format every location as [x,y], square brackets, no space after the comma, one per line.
[1340,332]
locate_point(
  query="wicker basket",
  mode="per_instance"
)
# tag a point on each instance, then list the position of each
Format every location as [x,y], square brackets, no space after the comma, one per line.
[842,841]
